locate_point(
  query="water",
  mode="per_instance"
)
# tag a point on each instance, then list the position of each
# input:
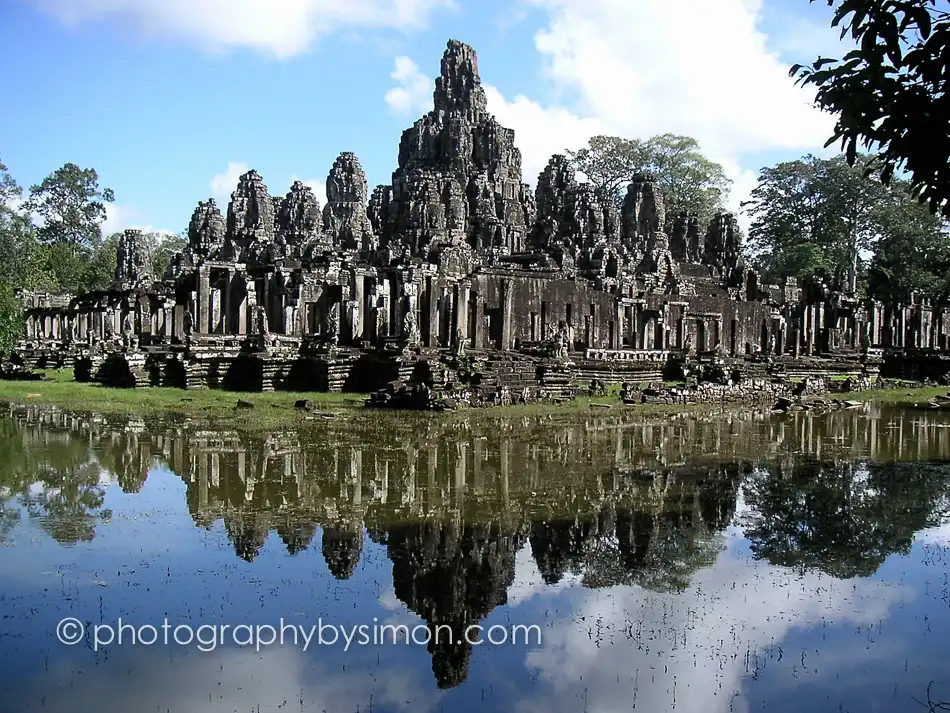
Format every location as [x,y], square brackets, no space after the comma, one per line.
[697,563]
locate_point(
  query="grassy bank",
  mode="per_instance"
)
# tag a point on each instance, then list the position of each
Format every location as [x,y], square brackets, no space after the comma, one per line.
[212,405]
[277,409]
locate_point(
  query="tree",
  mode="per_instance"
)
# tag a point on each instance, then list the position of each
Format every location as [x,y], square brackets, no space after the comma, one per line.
[843,518]
[689,181]
[23,263]
[164,246]
[914,253]
[99,272]
[890,93]
[814,213]
[71,206]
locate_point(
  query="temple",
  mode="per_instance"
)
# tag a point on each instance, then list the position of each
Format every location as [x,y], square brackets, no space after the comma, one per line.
[458,274]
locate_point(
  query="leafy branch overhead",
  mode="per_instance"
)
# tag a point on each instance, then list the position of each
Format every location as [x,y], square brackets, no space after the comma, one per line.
[890,94]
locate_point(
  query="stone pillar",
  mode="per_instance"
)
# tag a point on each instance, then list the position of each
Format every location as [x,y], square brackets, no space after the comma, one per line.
[461,309]
[434,293]
[507,306]
[618,327]
[478,324]
[358,295]
[204,300]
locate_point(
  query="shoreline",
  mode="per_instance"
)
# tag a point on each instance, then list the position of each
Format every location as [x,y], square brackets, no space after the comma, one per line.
[261,411]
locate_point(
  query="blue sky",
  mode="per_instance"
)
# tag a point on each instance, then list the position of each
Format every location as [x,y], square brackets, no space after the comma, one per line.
[170,100]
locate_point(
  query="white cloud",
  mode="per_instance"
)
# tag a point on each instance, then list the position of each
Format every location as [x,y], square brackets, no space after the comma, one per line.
[414,91]
[319,188]
[283,28]
[124,217]
[717,77]
[222,185]
[691,650]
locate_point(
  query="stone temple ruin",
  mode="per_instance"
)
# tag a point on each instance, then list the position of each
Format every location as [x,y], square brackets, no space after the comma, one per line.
[459,277]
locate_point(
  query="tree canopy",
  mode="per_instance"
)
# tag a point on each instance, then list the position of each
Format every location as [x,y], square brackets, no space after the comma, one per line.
[690,182]
[823,213]
[53,241]
[890,94]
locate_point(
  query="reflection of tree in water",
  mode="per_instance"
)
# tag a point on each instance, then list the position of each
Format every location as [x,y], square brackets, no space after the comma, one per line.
[128,457]
[54,478]
[452,575]
[657,543]
[842,518]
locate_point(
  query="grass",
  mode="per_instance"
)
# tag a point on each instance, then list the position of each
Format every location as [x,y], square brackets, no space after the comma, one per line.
[212,405]
[276,409]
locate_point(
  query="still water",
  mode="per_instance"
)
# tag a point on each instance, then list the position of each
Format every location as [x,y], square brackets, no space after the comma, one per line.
[727,562]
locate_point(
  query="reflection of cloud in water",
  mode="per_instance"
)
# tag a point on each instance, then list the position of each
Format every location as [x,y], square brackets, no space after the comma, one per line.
[935,536]
[622,646]
[529,583]
[229,680]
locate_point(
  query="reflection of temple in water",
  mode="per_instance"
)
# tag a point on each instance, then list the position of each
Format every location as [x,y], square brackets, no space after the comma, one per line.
[605,500]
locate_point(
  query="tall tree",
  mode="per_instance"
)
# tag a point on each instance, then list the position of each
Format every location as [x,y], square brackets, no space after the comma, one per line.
[71,206]
[814,213]
[22,265]
[164,246]
[913,254]
[890,93]
[690,182]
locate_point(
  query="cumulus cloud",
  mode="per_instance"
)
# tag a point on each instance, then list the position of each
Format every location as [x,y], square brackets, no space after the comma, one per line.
[222,184]
[413,92]
[627,645]
[282,28]
[124,217]
[717,77]
[319,188]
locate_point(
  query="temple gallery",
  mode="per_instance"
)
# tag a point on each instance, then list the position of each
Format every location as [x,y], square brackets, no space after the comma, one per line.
[459,278]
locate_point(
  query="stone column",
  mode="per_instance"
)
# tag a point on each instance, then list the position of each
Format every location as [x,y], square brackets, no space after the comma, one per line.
[204,300]
[434,292]
[461,309]
[618,327]
[507,305]
[357,295]
[478,326]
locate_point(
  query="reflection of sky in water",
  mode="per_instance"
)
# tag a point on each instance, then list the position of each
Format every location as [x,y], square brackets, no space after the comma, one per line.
[744,636]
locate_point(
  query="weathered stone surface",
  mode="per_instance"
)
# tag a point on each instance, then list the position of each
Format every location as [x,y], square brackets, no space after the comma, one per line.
[299,220]
[133,267]
[345,219]
[459,173]
[250,222]
[207,229]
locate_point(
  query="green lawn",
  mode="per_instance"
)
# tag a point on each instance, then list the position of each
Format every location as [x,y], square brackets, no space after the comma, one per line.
[277,409]
[270,409]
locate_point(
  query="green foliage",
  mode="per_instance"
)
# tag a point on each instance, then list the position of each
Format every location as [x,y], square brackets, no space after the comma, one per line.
[841,518]
[824,213]
[890,93]
[71,206]
[689,181]
[913,255]
[164,246]
[468,370]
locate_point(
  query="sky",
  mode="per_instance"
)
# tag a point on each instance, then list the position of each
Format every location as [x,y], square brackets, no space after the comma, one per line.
[171,100]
